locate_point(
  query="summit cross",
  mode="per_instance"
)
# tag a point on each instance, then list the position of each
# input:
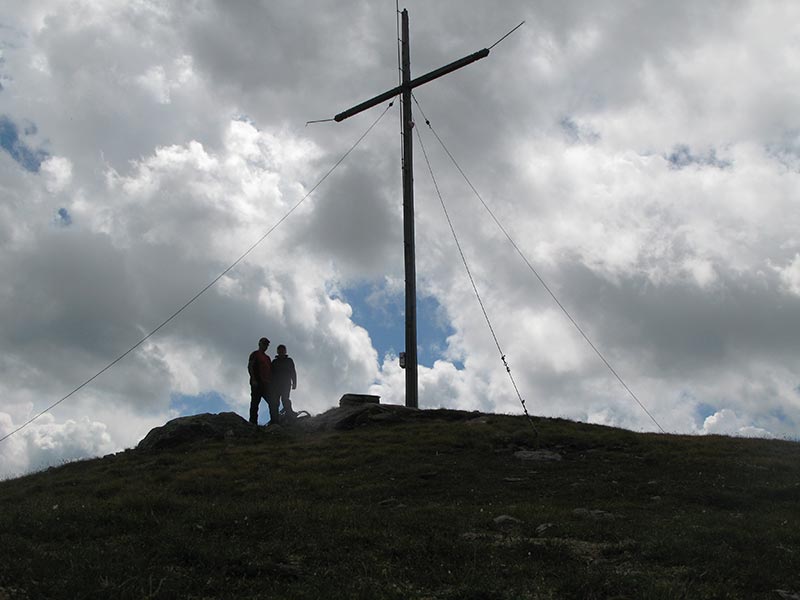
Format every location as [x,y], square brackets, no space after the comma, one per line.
[404,90]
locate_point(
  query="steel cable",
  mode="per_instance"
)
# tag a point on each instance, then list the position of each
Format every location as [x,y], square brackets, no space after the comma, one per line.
[472,282]
[536,273]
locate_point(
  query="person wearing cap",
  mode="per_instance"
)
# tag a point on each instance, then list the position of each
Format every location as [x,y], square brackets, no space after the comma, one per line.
[259,367]
[283,380]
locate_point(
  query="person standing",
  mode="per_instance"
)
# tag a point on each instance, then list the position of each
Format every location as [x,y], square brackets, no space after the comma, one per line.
[259,366]
[284,380]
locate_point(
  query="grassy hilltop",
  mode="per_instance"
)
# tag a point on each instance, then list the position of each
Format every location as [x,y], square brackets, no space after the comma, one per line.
[440,506]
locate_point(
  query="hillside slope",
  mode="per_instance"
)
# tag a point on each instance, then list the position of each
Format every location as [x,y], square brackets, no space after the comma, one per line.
[438,505]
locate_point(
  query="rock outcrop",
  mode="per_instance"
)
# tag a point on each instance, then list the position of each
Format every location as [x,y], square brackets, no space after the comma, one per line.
[229,425]
[350,416]
[195,428]
[356,415]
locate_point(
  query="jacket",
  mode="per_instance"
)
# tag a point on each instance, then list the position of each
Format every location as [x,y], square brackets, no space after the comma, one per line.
[283,371]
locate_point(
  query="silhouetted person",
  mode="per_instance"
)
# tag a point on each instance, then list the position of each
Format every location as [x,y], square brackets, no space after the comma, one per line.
[284,380]
[260,367]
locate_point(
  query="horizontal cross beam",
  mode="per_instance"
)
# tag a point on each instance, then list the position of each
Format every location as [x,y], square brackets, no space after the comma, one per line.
[422,79]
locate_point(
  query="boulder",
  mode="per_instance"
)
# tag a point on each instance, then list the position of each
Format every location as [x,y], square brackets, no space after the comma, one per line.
[358,399]
[196,428]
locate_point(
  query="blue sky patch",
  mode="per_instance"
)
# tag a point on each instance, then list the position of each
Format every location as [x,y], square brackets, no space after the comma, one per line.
[704,411]
[383,316]
[682,157]
[10,141]
[780,415]
[63,217]
[577,133]
[787,149]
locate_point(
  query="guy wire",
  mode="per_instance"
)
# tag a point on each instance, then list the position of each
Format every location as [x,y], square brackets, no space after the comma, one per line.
[536,273]
[506,35]
[472,281]
[399,43]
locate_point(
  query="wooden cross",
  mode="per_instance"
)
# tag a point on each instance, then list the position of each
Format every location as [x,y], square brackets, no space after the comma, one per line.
[404,90]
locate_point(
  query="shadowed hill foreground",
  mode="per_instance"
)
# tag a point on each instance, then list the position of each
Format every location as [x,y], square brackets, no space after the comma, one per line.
[381,502]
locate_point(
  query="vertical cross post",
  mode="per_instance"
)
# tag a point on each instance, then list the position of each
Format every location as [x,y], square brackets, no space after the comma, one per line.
[404,90]
[412,399]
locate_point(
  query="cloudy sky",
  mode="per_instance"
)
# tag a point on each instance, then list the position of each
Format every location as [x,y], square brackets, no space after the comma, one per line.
[644,156]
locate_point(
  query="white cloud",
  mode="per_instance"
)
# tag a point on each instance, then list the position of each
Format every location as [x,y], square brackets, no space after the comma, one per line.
[57,171]
[790,275]
[161,82]
[726,422]
[46,443]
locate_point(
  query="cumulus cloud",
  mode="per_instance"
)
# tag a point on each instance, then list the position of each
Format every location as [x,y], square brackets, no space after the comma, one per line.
[57,172]
[726,422]
[48,443]
[790,275]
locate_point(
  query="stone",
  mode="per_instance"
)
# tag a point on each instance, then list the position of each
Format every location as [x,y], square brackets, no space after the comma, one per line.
[597,515]
[194,428]
[540,455]
[358,399]
[391,503]
[543,527]
[357,415]
[506,521]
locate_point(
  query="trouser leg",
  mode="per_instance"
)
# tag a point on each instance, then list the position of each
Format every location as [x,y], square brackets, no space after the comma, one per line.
[255,400]
[287,403]
[280,395]
[272,402]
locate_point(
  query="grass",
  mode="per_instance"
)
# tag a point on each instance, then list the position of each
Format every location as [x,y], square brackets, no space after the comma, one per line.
[407,511]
